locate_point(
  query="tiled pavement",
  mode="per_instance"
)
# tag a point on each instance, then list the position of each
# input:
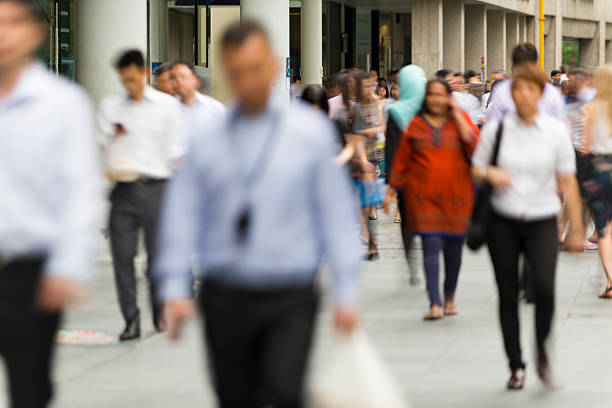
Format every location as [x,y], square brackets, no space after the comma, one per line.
[457,362]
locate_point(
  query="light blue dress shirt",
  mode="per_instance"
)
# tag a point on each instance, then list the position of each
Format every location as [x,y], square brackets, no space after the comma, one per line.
[302,206]
[199,112]
[49,175]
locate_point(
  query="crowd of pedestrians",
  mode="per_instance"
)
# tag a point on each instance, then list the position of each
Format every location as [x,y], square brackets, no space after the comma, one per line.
[239,205]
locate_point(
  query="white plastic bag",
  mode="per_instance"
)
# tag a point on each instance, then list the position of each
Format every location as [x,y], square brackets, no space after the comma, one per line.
[356,378]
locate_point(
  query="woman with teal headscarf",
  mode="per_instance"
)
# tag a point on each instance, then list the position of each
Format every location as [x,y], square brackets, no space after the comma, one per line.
[412,82]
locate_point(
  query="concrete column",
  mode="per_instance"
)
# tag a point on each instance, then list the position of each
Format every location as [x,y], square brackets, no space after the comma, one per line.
[602,42]
[522,28]
[427,35]
[496,42]
[475,36]
[550,59]
[104,29]
[274,16]
[158,36]
[454,35]
[512,36]
[559,35]
[312,41]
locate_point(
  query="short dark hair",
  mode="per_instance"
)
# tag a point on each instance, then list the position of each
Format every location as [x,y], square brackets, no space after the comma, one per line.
[529,72]
[129,58]
[470,73]
[554,72]
[163,68]
[564,68]
[316,95]
[524,52]
[443,73]
[238,33]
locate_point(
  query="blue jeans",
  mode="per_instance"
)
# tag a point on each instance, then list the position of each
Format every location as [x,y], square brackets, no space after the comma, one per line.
[452,248]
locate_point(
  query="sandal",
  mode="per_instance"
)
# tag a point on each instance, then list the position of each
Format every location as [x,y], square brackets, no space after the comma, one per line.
[606,293]
[397,220]
[451,311]
[432,316]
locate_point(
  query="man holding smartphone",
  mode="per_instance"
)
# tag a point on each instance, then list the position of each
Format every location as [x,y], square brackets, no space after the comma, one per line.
[143,140]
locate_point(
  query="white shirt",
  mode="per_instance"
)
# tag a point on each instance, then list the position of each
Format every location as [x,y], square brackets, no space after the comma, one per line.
[601,135]
[532,156]
[49,175]
[470,104]
[155,138]
[200,112]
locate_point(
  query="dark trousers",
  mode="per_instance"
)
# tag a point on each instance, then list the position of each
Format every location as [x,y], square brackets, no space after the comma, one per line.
[407,236]
[26,336]
[258,343]
[134,206]
[537,241]
[451,248]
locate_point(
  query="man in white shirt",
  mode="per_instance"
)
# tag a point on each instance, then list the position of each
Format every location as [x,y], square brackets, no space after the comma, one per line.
[50,206]
[198,109]
[143,140]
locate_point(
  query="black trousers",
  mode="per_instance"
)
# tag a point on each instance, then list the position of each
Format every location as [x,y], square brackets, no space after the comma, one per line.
[26,336]
[134,206]
[537,241]
[258,344]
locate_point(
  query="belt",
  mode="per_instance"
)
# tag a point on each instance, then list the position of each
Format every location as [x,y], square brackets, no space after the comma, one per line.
[144,180]
[7,259]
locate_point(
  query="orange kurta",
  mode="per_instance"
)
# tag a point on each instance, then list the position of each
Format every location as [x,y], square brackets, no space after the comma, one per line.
[432,170]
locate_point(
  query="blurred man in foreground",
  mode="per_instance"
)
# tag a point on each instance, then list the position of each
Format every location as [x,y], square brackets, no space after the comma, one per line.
[198,109]
[50,203]
[261,201]
[143,140]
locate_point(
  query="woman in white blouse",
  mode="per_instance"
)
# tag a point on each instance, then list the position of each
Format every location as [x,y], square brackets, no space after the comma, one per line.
[535,154]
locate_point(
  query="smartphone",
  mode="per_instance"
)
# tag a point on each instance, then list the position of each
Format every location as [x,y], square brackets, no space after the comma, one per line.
[119,129]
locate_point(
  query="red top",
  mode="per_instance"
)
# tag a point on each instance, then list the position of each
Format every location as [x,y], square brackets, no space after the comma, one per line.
[431,168]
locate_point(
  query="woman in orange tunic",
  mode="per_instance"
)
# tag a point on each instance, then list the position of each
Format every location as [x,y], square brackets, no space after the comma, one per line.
[432,170]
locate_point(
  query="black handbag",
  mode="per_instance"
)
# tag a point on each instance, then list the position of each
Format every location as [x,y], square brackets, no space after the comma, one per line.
[477,231]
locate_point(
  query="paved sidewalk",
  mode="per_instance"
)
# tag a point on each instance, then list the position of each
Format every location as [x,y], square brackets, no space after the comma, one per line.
[457,362]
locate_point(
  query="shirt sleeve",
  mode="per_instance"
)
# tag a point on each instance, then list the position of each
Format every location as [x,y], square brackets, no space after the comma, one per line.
[500,98]
[105,129]
[338,222]
[181,216]
[484,150]
[565,155]
[73,253]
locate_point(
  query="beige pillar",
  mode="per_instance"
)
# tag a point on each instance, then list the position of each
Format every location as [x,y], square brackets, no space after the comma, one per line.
[454,35]
[427,35]
[496,40]
[274,16]
[158,36]
[512,36]
[475,36]
[312,41]
[103,30]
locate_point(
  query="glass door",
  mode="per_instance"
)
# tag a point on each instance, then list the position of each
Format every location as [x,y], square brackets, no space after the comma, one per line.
[58,51]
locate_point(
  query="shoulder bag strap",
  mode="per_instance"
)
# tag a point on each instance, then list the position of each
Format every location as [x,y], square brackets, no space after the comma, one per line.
[498,138]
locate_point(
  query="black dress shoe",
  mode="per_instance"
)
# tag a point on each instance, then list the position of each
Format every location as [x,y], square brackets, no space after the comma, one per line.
[544,370]
[131,332]
[517,380]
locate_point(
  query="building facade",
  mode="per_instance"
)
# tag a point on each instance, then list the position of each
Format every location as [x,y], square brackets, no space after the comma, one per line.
[316,38]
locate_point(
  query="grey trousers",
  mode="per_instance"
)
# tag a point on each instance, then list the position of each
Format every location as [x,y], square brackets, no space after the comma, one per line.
[134,206]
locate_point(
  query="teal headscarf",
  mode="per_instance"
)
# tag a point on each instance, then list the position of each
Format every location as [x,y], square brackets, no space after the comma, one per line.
[412,82]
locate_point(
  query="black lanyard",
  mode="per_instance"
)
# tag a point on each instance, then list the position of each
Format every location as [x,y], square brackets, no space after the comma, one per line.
[252,177]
